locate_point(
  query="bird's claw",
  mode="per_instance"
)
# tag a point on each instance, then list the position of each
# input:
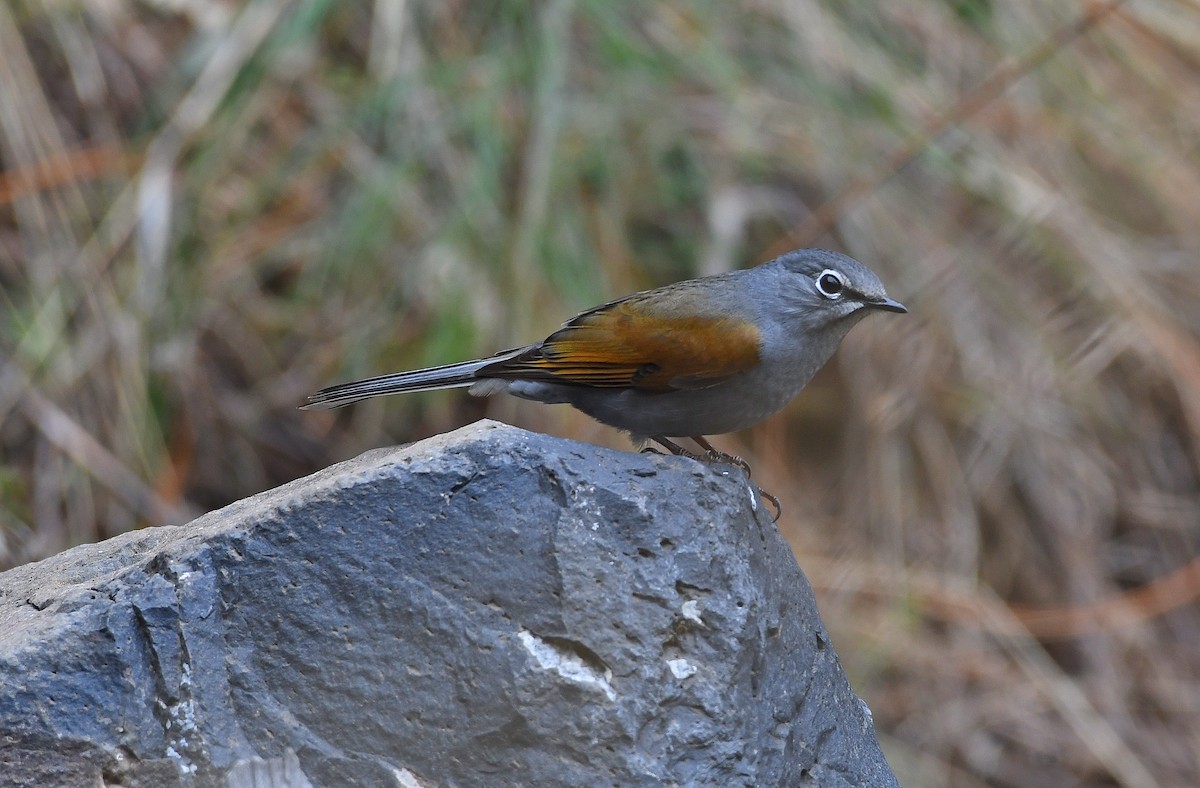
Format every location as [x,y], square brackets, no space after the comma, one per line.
[773,501]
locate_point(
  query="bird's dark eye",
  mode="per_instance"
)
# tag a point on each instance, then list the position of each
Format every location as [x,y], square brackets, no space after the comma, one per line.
[830,283]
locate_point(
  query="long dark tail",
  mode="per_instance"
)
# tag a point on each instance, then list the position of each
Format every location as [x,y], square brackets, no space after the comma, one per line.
[448,376]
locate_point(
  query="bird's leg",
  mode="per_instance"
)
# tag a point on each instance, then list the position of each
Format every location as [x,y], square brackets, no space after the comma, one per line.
[715,455]
[710,454]
[672,447]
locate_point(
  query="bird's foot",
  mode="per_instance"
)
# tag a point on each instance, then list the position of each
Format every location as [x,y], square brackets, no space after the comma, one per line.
[728,459]
[713,455]
[674,448]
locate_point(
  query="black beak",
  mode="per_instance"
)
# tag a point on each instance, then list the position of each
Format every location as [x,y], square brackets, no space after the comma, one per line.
[888,305]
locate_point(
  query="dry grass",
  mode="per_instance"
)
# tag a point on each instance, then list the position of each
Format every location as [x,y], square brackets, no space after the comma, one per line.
[206,213]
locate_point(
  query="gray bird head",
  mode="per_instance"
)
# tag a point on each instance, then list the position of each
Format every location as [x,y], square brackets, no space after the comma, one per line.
[824,287]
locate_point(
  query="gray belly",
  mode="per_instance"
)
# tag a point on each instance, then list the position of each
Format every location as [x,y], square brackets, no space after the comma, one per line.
[732,405]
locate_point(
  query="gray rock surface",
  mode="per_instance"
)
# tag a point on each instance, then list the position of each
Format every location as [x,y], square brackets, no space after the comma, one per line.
[488,607]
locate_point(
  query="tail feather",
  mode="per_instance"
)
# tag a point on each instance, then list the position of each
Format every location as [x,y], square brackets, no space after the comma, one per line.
[448,376]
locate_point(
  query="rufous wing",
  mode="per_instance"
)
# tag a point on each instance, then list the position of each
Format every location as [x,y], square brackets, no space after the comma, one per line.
[636,343]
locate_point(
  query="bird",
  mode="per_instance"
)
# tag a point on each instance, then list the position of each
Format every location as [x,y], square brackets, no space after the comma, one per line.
[699,357]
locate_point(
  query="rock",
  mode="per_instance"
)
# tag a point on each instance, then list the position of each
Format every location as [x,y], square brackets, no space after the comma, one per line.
[488,607]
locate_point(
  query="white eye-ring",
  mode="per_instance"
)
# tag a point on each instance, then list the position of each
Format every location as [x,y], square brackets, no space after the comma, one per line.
[830,283]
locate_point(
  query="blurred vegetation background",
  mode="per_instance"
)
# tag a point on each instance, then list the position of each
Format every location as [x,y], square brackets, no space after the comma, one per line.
[209,210]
